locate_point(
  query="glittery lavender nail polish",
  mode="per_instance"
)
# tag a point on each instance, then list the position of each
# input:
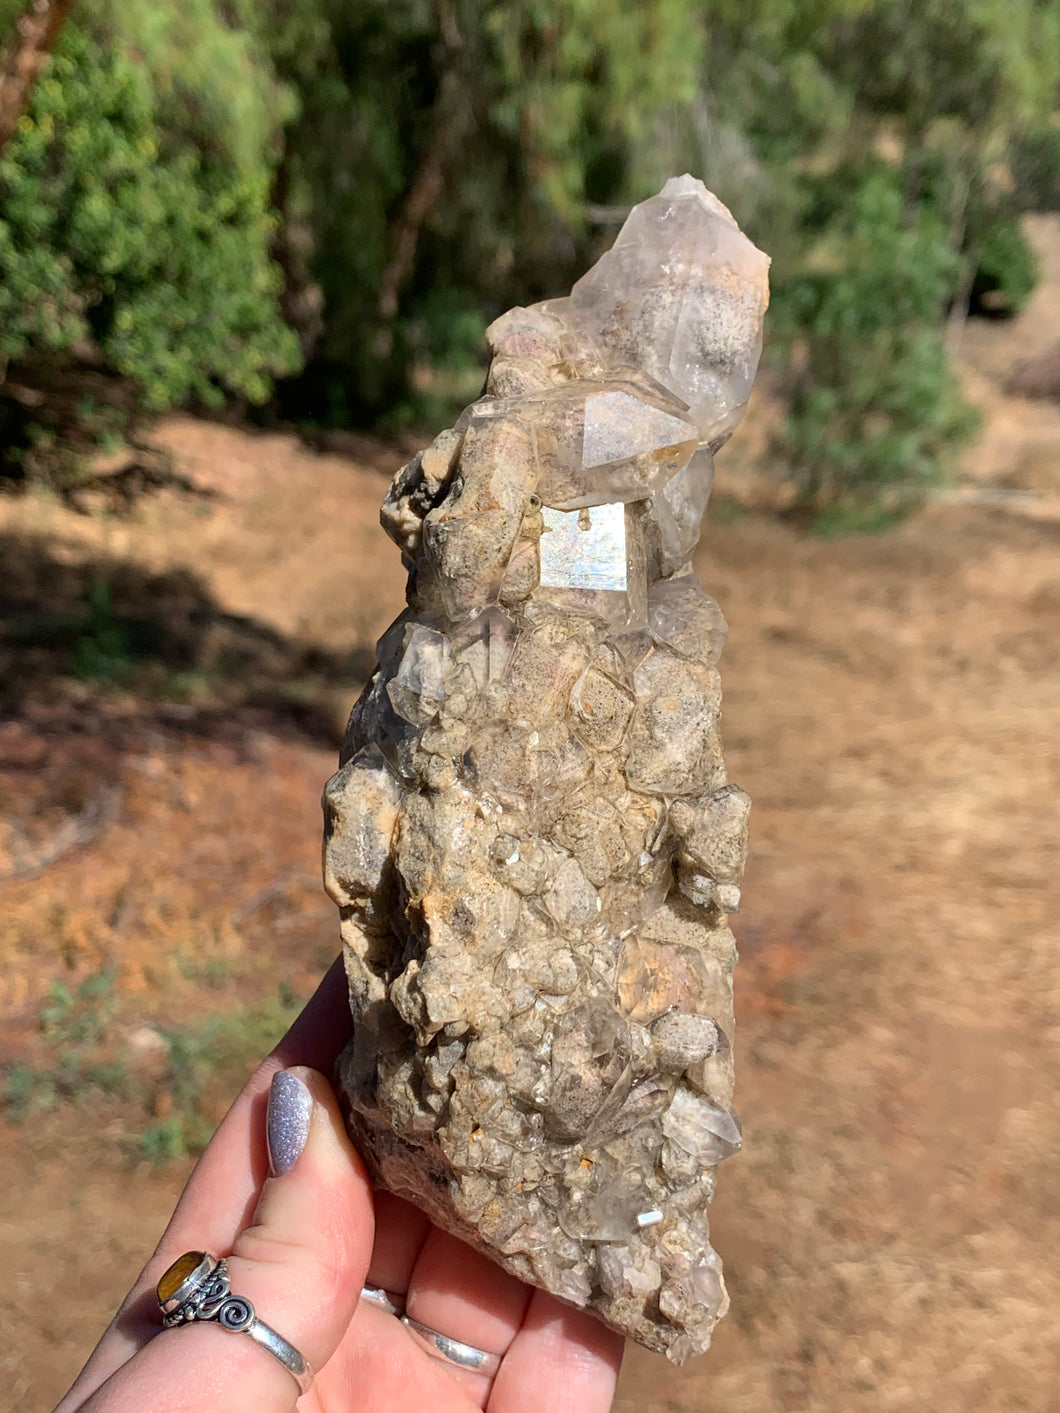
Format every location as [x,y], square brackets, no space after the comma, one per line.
[287,1124]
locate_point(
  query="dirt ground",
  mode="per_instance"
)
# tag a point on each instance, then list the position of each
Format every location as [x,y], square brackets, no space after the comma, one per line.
[890,1229]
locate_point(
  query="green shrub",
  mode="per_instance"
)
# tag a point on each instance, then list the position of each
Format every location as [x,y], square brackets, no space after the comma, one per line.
[1035,166]
[1007,269]
[508,118]
[135,224]
[874,406]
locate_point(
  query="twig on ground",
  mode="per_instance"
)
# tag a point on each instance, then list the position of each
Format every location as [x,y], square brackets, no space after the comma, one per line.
[76,830]
[276,889]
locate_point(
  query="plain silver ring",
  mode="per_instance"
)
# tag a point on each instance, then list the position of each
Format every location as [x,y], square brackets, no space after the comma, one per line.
[452,1351]
[385,1300]
[196,1288]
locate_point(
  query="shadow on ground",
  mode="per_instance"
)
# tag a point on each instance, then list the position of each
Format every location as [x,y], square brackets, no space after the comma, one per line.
[70,631]
[102,661]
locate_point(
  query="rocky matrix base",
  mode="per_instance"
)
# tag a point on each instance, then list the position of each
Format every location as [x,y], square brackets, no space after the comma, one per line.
[531,839]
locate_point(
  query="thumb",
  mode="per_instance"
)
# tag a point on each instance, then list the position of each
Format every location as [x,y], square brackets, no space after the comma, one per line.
[306,1254]
[301,1264]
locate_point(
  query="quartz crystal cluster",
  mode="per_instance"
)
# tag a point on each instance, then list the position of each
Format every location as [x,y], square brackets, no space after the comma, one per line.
[531,839]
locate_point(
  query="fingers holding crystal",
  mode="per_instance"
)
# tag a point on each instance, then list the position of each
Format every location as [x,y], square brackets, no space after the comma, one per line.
[400,1233]
[247,1330]
[221,1194]
[461,1295]
[561,1359]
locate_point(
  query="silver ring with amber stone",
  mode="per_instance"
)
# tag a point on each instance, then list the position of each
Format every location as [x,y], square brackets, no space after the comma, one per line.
[196,1287]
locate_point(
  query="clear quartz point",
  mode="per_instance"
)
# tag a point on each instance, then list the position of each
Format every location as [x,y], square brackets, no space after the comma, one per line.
[610,1213]
[678,510]
[687,620]
[680,295]
[484,644]
[600,442]
[700,1128]
[417,690]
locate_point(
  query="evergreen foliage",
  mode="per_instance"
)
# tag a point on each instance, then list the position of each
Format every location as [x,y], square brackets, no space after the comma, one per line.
[442,163]
[874,407]
[812,121]
[135,225]
[196,190]
[883,153]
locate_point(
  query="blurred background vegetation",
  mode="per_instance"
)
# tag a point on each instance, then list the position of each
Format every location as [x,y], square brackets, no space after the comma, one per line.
[309,210]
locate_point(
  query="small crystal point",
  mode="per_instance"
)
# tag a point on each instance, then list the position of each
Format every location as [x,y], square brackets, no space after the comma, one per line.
[417,689]
[678,510]
[640,443]
[597,442]
[485,644]
[682,617]
[701,1128]
[681,294]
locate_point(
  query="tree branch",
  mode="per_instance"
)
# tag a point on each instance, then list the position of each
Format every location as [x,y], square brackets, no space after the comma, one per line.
[427,185]
[36,35]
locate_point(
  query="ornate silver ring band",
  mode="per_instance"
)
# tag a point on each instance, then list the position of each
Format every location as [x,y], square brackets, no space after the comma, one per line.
[196,1287]
[452,1351]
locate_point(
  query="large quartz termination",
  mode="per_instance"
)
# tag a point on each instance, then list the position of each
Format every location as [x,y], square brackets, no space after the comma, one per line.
[531,840]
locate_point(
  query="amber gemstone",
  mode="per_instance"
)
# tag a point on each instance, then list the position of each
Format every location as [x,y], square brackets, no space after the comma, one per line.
[178,1273]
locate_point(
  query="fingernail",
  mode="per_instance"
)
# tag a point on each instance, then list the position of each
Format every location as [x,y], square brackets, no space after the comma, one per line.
[287,1124]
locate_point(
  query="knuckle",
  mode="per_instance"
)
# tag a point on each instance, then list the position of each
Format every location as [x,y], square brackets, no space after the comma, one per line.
[330,1261]
[265,1246]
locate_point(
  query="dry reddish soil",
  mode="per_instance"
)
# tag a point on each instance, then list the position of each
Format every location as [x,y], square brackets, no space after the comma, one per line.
[890,1230]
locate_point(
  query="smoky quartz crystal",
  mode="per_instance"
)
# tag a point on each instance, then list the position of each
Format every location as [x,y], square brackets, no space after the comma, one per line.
[531,839]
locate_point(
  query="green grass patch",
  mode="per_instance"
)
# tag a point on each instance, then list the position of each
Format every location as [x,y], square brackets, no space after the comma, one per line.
[76,1030]
[206,1062]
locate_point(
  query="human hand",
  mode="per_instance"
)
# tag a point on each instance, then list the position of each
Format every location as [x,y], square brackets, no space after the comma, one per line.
[304,1242]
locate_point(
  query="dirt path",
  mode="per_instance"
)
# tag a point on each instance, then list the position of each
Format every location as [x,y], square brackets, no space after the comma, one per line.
[891,707]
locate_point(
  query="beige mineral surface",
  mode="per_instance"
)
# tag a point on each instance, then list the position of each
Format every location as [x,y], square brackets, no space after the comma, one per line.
[531,838]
